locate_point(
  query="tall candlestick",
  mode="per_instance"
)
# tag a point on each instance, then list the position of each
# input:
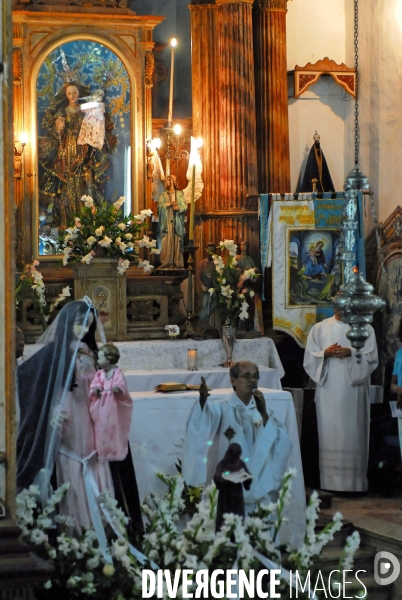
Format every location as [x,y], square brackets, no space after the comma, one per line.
[194,162]
[192,206]
[173,44]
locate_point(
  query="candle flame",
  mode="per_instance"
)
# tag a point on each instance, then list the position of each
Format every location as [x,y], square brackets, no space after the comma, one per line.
[194,155]
[177,129]
[23,138]
[156,143]
[199,142]
[173,43]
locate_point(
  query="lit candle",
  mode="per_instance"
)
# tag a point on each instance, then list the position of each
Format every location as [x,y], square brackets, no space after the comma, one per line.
[173,44]
[23,138]
[194,161]
[192,359]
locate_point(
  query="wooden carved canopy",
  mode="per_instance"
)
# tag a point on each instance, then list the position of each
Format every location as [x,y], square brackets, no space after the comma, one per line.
[390,233]
[305,76]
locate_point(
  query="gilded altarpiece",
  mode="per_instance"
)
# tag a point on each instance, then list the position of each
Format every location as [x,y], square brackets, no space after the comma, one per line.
[52,51]
[385,273]
[108,51]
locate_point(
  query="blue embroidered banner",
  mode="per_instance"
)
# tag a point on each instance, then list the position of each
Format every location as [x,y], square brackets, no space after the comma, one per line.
[305,253]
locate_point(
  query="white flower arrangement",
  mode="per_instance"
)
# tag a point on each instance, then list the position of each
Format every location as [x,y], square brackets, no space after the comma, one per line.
[146,265]
[38,285]
[229,292]
[80,566]
[30,281]
[149,244]
[143,215]
[122,265]
[65,293]
[104,228]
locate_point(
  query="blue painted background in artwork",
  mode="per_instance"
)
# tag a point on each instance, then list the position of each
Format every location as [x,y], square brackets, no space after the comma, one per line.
[98,67]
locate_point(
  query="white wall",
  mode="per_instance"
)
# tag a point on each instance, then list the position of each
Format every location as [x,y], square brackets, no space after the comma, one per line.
[317,28]
[380,99]
[324,107]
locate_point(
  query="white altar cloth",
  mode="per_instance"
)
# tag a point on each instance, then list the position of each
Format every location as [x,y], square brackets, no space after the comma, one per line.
[157,435]
[216,378]
[172,354]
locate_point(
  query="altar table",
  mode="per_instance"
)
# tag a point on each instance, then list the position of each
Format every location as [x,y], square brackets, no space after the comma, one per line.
[157,435]
[216,378]
[172,354]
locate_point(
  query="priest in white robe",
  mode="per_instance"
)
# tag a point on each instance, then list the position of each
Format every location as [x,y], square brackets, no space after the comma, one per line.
[244,419]
[343,403]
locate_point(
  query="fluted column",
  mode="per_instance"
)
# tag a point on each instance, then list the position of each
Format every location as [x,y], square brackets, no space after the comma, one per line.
[237,124]
[205,93]
[224,115]
[269,24]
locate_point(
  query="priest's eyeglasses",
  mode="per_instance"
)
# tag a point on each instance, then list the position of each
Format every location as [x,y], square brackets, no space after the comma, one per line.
[250,376]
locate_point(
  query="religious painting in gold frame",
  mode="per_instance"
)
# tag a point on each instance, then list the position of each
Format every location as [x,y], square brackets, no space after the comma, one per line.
[83,102]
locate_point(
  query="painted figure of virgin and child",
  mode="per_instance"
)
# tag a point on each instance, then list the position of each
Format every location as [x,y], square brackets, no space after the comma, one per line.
[314,264]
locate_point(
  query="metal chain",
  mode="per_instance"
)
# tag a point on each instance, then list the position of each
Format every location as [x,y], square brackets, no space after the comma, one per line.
[343,254]
[357,135]
[356,43]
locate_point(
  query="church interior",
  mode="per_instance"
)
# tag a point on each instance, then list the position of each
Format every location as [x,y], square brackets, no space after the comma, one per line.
[200,237]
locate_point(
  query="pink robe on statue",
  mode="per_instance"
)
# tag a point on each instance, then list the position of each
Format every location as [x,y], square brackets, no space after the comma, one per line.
[78,446]
[111,414]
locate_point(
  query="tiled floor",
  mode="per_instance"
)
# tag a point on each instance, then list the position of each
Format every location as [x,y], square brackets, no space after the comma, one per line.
[381,516]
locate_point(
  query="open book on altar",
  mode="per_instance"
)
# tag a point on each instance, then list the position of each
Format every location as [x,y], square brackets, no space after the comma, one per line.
[171,386]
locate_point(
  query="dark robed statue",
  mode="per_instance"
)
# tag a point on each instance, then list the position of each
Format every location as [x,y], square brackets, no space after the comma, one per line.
[230,477]
[317,168]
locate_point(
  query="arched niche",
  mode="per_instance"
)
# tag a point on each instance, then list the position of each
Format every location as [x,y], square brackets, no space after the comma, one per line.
[124,44]
[91,154]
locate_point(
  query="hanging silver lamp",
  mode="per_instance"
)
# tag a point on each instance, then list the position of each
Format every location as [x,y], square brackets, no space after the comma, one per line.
[357,305]
[355,302]
[356,180]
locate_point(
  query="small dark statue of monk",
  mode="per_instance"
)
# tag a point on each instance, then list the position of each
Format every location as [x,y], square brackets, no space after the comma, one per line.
[230,476]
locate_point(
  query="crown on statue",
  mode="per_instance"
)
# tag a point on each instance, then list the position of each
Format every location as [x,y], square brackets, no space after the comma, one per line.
[68,74]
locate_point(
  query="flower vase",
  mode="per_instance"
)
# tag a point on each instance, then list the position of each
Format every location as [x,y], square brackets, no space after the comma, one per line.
[228,337]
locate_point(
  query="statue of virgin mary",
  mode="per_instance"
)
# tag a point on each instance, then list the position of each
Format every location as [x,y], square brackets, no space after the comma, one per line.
[69,170]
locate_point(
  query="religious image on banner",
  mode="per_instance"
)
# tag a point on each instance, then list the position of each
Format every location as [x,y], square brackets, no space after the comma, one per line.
[313,259]
[301,243]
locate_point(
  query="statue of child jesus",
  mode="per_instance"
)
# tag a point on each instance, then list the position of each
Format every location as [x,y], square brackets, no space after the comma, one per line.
[93,125]
[111,406]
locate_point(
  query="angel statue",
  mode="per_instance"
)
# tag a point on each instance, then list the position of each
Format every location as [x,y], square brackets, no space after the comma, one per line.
[172,206]
[171,211]
[73,157]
